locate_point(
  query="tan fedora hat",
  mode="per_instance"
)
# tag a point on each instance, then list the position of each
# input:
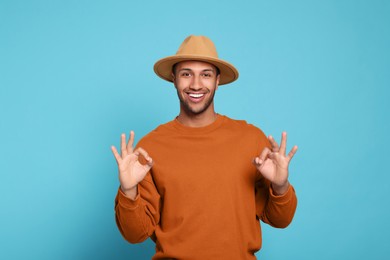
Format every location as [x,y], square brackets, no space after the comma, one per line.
[198,48]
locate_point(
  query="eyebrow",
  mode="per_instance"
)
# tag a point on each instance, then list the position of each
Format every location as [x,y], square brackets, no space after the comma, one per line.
[213,70]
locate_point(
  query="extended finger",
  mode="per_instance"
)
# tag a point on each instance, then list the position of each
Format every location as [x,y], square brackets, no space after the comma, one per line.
[283,144]
[116,154]
[130,143]
[123,145]
[274,144]
[141,151]
[291,154]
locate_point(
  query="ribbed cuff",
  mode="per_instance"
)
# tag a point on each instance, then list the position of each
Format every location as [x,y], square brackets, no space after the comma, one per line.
[126,202]
[284,198]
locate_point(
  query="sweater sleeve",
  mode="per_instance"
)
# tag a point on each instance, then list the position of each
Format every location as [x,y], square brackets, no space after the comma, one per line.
[137,219]
[275,210]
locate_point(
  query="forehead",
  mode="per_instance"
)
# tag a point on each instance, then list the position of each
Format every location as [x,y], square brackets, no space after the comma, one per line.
[195,65]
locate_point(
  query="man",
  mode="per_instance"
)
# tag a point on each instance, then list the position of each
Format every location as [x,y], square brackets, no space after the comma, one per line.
[200,184]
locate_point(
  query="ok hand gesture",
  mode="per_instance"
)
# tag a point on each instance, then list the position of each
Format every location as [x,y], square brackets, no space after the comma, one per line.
[273,164]
[131,171]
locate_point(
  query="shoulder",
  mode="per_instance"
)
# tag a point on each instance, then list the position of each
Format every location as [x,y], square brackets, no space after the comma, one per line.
[159,132]
[243,126]
[247,130]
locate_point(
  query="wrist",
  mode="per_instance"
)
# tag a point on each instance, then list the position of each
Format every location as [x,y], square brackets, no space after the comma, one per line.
[280,189]
[130,193]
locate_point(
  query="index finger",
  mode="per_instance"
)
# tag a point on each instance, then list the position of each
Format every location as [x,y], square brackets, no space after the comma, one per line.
[145,154]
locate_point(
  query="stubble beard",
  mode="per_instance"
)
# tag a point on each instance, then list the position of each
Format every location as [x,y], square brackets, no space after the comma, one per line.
[191,110]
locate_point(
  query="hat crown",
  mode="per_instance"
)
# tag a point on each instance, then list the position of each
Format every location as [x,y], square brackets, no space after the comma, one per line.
[199,46]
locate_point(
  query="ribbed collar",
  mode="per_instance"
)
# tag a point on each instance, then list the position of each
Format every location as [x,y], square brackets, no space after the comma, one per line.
[199,130]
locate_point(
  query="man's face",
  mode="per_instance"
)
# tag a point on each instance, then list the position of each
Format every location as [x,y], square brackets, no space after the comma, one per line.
[196,82]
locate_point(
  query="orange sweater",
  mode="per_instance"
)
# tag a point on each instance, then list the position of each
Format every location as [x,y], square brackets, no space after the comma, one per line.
[203,198]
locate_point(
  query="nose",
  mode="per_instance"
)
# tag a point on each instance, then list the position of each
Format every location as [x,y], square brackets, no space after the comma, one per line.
[196,83]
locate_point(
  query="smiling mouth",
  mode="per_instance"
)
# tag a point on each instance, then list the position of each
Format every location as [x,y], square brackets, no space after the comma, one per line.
[193,95]
[196,97]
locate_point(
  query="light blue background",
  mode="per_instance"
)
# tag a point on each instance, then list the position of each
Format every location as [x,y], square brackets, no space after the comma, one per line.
[76,74]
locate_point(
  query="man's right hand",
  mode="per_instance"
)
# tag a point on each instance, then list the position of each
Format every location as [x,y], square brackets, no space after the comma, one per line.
[131,171]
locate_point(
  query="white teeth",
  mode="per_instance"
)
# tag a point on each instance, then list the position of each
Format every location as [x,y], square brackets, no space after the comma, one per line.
[196,95]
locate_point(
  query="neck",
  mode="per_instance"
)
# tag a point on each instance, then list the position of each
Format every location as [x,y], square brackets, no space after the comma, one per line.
[197,120]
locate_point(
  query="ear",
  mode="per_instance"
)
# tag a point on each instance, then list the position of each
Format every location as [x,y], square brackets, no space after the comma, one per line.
[217,81]
[173,79]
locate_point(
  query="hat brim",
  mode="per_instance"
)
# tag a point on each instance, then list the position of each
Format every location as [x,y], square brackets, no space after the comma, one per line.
[163,67]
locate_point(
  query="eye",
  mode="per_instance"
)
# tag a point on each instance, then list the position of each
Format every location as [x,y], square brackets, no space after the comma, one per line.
[185,74]
[207,75]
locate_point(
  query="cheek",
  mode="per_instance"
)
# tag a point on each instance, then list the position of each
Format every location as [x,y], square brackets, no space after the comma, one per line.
[211,84]
[181,83]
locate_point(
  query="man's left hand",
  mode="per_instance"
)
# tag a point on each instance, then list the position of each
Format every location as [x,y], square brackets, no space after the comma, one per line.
[273,164]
